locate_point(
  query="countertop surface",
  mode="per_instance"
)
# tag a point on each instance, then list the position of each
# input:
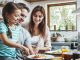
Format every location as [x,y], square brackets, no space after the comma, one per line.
[62,43]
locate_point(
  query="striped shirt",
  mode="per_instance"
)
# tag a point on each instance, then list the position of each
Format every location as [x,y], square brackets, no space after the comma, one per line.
[4,49]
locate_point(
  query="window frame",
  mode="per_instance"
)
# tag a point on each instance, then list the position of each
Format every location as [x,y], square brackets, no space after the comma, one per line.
[59,4]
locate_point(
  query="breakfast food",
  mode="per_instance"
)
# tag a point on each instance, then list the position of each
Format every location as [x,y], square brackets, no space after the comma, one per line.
[61,51]
[65,50]
[39,56]
[57,52]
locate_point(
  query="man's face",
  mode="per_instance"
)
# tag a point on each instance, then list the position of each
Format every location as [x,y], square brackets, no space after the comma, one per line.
[24,14]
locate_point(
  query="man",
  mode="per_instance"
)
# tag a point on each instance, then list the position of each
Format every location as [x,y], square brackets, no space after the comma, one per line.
[24,12]
[24,34]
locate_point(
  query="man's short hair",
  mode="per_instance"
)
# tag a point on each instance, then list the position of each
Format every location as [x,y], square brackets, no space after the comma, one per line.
[22,6]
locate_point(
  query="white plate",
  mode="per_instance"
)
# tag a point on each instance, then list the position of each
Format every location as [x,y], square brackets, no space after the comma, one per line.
[49,51]
[68,53]
[47,56]
[71,53]
[53,52]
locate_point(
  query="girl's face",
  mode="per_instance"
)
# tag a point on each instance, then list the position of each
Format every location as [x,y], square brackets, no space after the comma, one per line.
[14,17]
[38,17]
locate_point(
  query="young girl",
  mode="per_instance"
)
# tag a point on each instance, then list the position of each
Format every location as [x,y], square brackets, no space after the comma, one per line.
[9,32]
[38,30]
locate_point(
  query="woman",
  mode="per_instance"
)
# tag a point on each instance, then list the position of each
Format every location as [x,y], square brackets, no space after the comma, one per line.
[38,30]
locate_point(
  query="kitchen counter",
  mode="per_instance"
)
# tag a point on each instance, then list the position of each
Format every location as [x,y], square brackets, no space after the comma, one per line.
[62,43]
[58,45]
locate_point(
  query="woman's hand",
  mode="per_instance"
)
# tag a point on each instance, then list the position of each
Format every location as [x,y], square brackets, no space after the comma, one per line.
[36,50]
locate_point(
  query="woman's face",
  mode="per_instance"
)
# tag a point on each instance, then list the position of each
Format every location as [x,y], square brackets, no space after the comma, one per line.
[38,17]
[14,17]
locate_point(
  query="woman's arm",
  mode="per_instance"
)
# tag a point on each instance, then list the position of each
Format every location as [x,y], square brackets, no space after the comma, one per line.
[47,43]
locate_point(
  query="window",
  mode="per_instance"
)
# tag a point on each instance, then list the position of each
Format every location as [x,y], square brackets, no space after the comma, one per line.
[61,18]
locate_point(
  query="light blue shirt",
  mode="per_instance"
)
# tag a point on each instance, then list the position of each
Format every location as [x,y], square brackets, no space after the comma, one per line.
[24,37]
[4,49]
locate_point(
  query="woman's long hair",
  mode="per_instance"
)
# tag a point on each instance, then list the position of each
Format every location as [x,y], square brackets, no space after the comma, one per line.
[8,8]
[41,26]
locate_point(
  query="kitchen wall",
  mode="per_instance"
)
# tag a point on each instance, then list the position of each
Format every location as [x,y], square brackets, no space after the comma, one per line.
[78,23]
[23,1]
[78,16]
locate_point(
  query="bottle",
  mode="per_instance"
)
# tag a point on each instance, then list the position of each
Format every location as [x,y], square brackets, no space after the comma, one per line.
[54,27]
[75,55]
[73,28]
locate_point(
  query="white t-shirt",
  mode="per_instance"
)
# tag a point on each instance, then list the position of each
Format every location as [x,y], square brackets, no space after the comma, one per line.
[37,41]
[40,41]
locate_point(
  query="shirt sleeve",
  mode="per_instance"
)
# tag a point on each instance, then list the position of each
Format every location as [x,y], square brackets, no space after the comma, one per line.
[26,37]
[27,34]
[28,42]
[3,28]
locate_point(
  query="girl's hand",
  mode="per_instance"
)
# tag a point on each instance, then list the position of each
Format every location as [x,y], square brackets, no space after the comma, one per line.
[25,50]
